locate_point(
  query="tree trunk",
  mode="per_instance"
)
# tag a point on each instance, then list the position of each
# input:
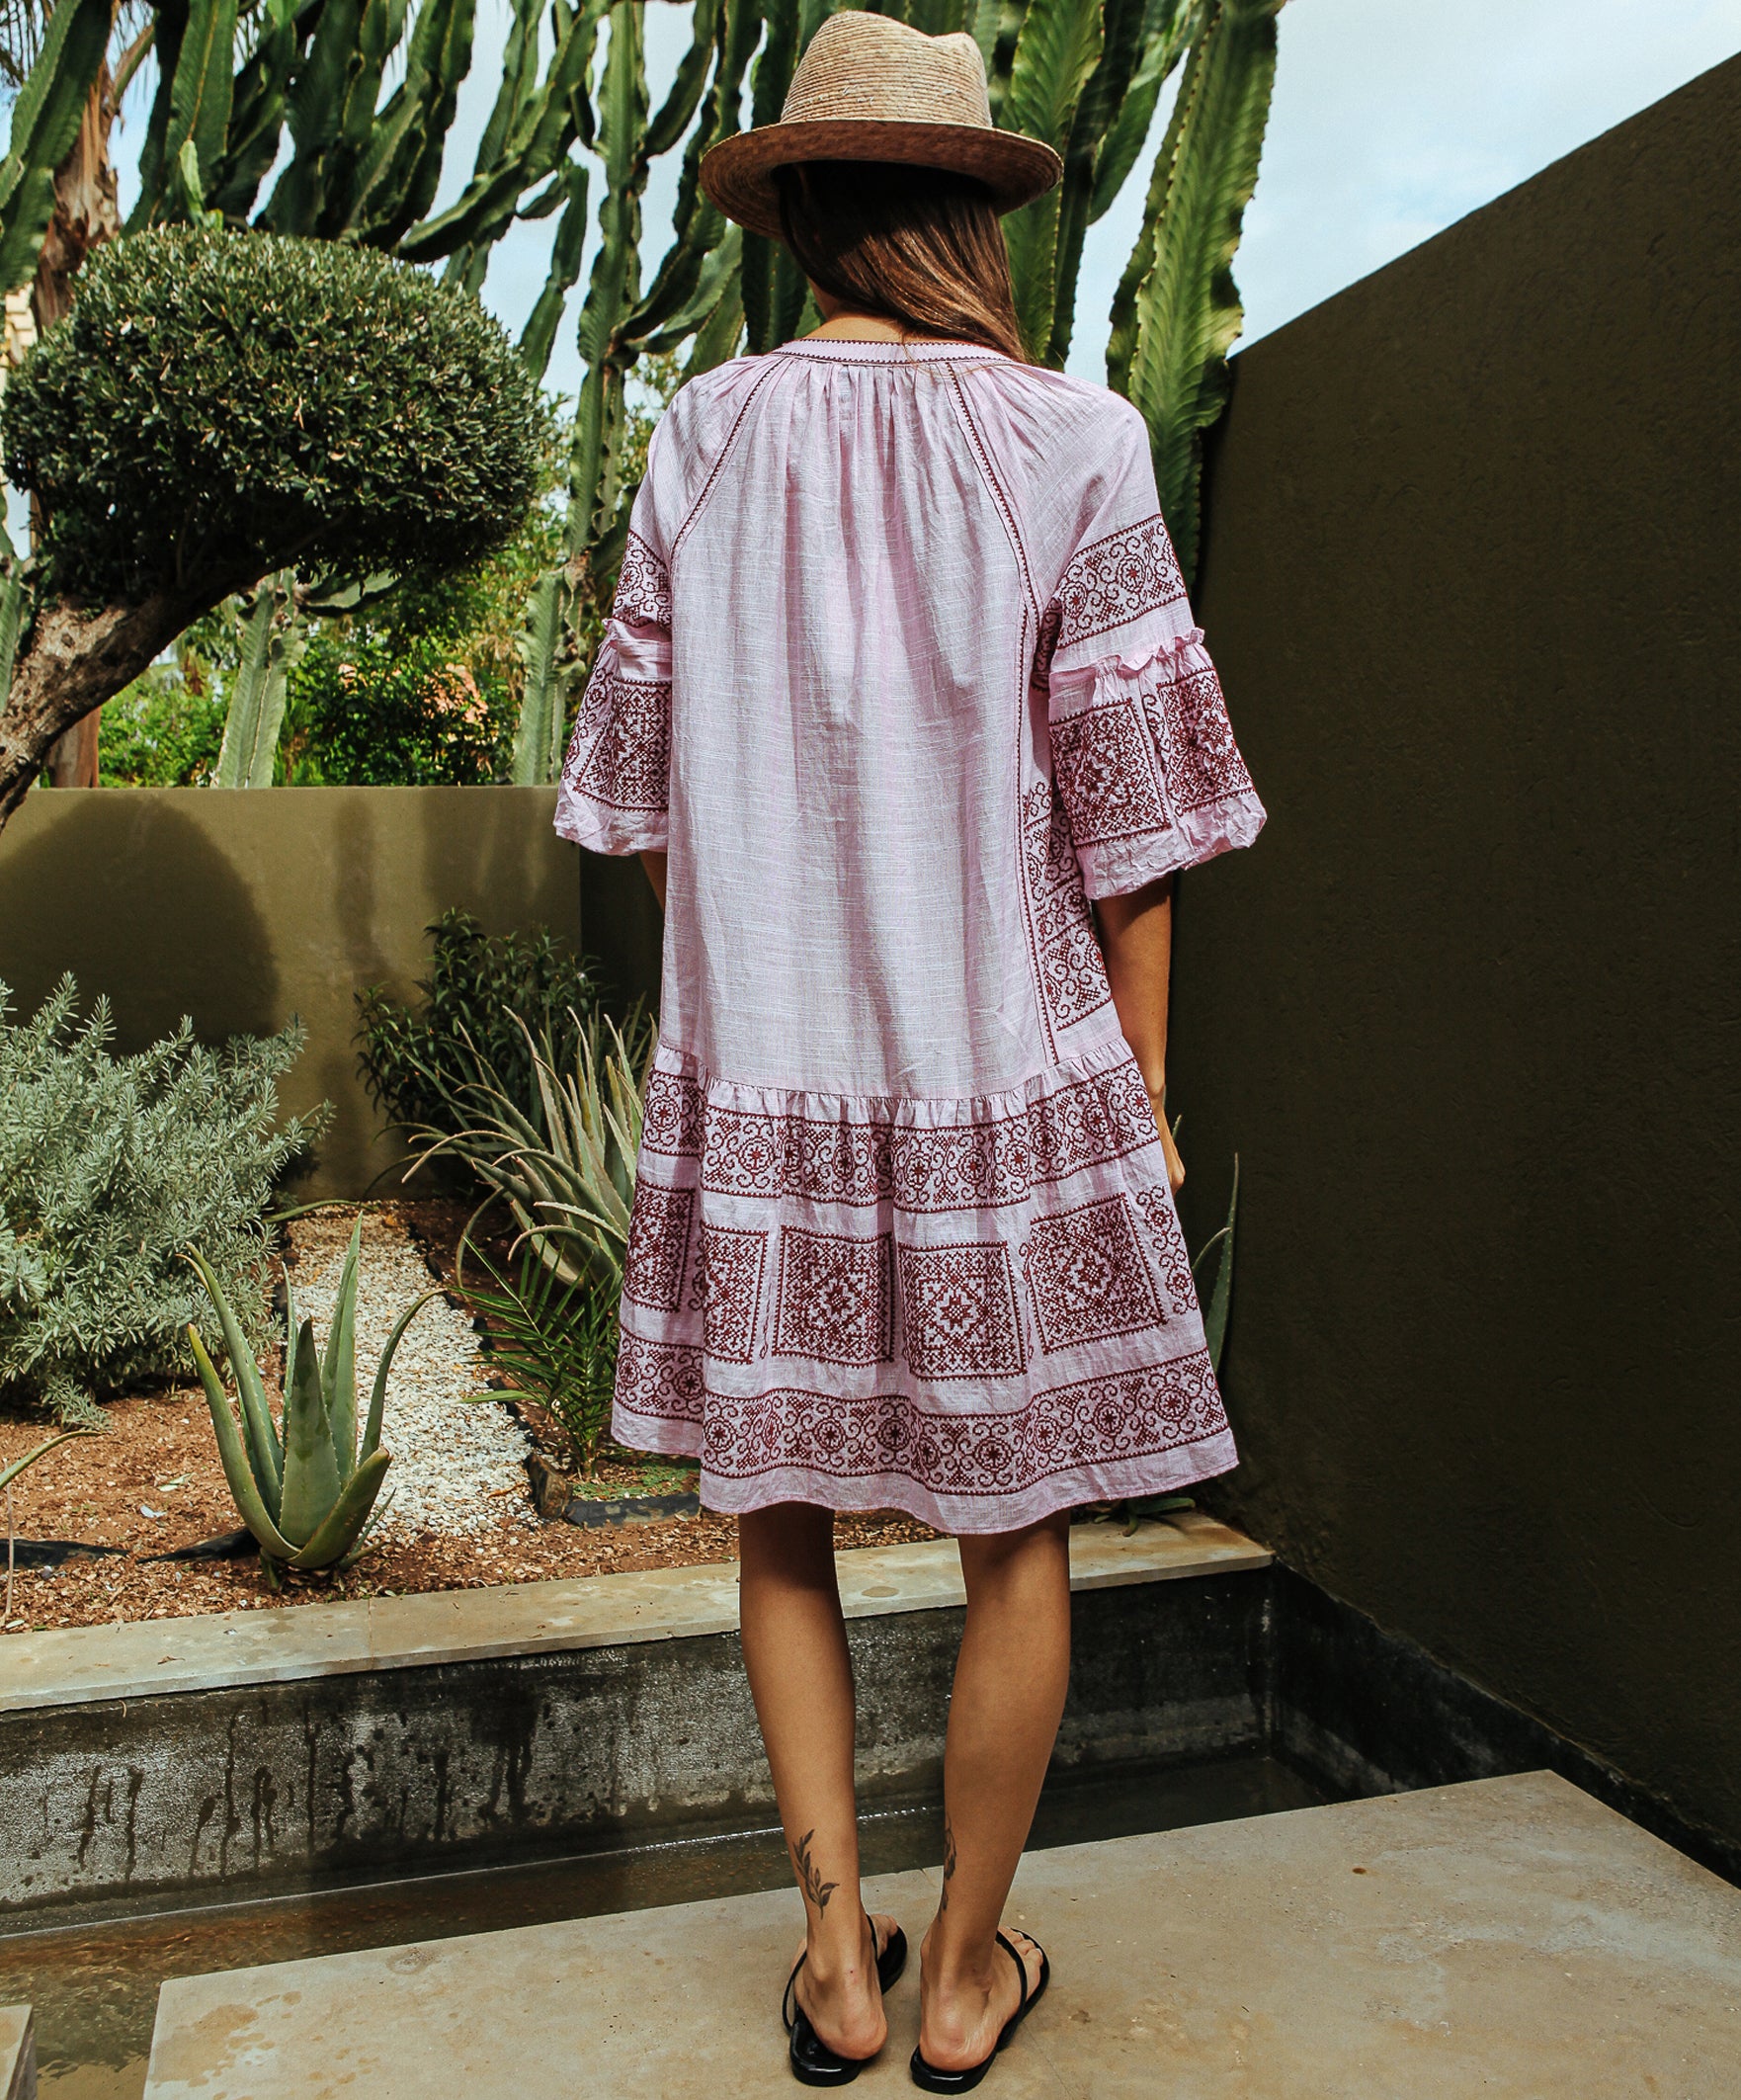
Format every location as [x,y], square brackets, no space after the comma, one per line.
[74,659]
[86,214]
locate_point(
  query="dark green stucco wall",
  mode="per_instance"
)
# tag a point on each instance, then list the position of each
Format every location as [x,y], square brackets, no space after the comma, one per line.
[242,907]
[1470,1011]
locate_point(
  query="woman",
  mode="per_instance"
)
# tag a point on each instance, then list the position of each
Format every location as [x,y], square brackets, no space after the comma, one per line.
[900,675]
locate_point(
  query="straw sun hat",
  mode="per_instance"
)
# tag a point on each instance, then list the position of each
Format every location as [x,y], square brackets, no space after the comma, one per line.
[870,88]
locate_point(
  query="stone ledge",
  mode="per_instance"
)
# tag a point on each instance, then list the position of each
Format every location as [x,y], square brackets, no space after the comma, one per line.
[231,1649]
[18,2053]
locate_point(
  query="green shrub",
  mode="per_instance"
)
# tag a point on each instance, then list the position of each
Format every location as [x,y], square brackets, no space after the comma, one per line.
[417,1060]
[110,1169]
[310,400]
[553,1344]
[164,730]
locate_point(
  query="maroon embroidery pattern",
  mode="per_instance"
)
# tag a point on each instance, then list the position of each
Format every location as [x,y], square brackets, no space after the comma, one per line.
[644,586]
[1072,976]
[958,1311]
[672,1120]
[629,763]
[795,1155]
[1098,1421]
[661,1379]
[1101,760]
[981,1165]
[658,1246]
[1168,1242]
[1087,1277]
[729,1289]
[834,1301]
[1116,580]
[1202,761]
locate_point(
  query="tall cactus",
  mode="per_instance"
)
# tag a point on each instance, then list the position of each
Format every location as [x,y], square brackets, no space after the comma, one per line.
[1177,312]
[366,152]
[273,640]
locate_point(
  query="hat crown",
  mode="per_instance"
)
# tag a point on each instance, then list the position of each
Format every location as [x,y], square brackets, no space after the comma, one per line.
[874,67]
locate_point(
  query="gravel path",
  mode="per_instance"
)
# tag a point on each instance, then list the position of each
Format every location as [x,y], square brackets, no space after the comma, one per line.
[457,1470]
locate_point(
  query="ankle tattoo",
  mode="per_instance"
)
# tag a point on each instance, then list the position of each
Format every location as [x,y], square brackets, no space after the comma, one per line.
[949,1861]
[809,1874]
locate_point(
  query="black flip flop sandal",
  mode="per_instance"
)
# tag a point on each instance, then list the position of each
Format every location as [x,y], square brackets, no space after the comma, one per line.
[931,2080]
[813,2062]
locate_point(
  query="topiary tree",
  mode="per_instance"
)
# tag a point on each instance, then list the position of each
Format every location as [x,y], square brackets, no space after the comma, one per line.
[223,405]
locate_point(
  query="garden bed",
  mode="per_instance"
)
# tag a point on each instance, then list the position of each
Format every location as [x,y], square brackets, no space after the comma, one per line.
[462,1516]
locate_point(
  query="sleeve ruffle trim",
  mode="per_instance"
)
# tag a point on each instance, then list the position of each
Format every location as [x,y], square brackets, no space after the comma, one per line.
[615,788]
[1145,762]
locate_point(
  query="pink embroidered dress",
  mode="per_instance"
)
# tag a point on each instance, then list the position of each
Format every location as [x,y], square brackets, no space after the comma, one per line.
[902,673]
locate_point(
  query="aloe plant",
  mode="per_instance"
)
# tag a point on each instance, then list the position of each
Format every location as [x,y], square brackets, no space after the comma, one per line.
[565,1161]
[306,1488]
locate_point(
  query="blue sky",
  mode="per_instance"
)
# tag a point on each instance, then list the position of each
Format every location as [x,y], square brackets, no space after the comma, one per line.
[1391,120]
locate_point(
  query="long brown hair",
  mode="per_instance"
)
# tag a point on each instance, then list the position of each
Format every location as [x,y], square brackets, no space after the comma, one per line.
[921,246]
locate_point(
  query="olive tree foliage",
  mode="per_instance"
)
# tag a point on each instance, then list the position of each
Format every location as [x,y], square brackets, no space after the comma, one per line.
[352,102]
[223,405]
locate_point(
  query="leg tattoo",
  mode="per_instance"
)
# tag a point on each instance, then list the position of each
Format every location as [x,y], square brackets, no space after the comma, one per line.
[949,1861]
[809,1874]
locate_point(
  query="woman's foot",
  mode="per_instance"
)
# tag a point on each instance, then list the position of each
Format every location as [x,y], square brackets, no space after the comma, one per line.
[963,2010]
[839,1994]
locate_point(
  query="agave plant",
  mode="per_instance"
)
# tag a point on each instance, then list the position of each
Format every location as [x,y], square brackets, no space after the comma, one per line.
[563,1162]
[308,1490]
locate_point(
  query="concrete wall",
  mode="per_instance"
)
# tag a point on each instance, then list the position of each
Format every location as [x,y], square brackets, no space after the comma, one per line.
[1469,1010]
[242,907]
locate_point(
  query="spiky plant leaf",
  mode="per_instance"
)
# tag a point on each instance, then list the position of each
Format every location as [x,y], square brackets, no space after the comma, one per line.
[243,1491]
[311,1464]
[378,1398]
[337,1370]
[1177,312]
[1058,48]
[265,1451]
[344,1521]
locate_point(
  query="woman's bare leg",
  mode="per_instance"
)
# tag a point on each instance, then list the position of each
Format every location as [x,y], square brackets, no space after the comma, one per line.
[801,1679]
[1010,1683]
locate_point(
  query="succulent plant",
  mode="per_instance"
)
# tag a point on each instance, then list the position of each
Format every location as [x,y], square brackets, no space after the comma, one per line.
[307,1491]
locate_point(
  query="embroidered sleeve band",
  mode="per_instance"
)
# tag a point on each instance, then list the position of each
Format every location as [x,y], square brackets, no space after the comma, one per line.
[1146,767]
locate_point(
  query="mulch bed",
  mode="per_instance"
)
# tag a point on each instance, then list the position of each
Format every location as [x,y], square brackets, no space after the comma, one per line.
[154,1482]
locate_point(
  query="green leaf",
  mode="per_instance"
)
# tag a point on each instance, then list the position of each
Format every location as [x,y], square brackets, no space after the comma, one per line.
[45,121]
[243,1491]
[338,1371]
[538,742]
[1177,312]
[265,1451]
[349,1513]
[378,1398]
[10,1472]
[1058,48]
[1220,1299]
[311,1464]
[539,335]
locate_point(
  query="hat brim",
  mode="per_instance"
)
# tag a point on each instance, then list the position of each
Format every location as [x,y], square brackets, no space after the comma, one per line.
[738,173]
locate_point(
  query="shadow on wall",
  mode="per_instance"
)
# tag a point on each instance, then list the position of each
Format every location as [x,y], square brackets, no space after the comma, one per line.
[140,903]
[245,907]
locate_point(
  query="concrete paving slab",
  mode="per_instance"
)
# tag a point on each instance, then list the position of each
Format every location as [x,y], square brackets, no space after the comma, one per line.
[18,2053]
[83,1664]
[1509,1938]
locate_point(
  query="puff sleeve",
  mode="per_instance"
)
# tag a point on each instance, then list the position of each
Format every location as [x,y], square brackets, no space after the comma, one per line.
[615,789]
[1142,751]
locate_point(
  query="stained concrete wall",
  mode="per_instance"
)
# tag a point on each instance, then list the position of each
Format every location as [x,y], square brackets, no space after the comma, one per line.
[1469,1010]
[241,907]
[285,1785]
